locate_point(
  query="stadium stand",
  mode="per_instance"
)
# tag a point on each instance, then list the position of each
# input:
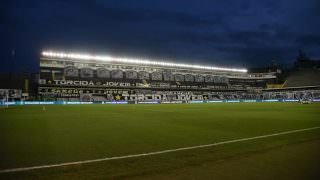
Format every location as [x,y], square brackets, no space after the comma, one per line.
[303,77]
[76,77]
[24,83]
[93,78]
[306,72]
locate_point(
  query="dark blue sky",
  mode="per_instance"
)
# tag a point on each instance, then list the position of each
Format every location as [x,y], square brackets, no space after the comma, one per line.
[222,32]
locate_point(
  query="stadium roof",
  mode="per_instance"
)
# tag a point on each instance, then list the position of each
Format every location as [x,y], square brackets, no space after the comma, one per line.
[89,57]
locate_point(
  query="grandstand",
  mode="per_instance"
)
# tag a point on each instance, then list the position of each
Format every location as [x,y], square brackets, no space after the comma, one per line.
[86,77]
[82,77]
[307,76]
[306,72]
[303,77]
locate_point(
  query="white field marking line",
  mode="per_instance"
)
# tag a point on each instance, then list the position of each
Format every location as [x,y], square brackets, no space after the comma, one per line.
[155,152]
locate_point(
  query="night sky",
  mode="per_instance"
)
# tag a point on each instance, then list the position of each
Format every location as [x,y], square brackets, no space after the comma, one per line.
[240,33]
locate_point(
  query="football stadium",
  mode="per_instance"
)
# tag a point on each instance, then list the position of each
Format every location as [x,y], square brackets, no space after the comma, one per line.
[87,116]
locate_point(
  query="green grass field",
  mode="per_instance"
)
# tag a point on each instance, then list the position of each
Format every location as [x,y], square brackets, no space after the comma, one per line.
[30,136]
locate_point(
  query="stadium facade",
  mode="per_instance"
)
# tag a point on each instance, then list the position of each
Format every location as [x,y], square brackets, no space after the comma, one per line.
[82,77]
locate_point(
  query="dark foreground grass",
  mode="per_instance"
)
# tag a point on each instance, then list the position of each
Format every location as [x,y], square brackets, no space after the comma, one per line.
[30,136]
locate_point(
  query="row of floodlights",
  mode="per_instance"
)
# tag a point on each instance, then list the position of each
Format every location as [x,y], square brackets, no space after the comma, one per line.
[134,61]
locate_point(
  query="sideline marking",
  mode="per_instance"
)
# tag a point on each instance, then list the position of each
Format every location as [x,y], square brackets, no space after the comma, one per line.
[155,152]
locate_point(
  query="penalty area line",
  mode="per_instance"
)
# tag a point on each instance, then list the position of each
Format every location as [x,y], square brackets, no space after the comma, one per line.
[155,152]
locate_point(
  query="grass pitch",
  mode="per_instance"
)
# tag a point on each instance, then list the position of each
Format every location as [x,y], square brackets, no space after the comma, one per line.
[30,136]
